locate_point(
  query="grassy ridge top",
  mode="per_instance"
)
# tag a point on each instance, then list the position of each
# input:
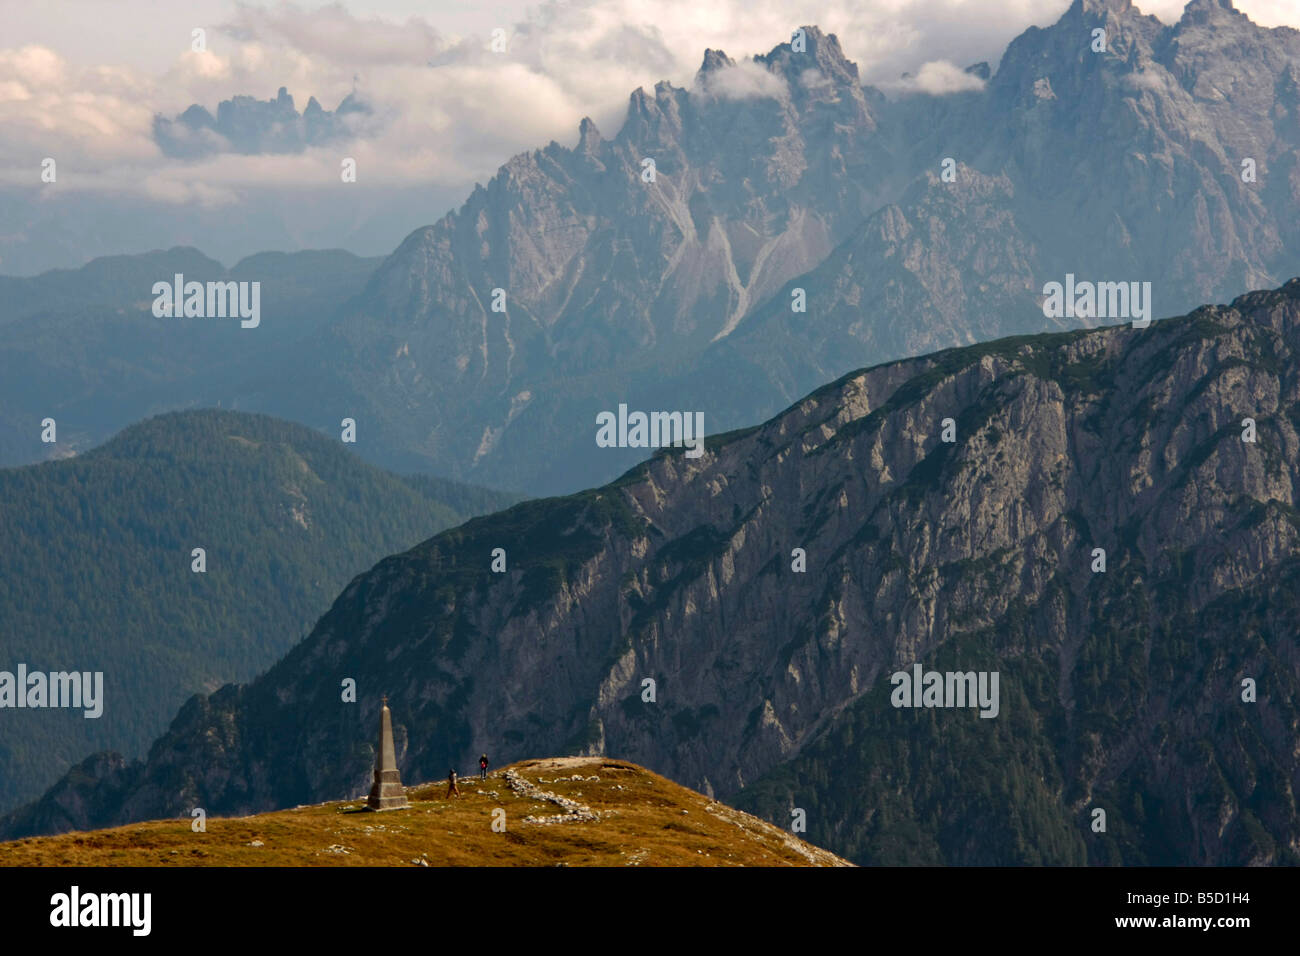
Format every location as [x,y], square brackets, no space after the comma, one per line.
[609,813]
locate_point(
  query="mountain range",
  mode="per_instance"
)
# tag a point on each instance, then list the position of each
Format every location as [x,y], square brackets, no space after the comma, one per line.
[82,346]
[1105,519]
[908,223]
[245,124]
[785,173]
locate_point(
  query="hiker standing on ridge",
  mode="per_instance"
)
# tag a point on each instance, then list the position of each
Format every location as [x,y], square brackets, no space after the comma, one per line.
[452,789]
[482,767]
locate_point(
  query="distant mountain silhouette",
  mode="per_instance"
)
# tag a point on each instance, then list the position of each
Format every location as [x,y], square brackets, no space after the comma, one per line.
[245,124]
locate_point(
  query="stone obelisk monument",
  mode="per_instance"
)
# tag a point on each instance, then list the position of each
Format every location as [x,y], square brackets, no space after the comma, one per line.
[387,792]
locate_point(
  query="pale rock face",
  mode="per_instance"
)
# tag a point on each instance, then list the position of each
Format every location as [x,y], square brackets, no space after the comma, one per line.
[1119,166]
[681,572]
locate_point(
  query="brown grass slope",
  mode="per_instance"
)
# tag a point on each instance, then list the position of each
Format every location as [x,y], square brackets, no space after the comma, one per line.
[565,811]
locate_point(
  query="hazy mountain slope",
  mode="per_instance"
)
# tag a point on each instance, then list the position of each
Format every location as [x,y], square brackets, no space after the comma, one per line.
[83,347]
[948,261]
[1115,687]
[951,259]
[107,282]
[95,568]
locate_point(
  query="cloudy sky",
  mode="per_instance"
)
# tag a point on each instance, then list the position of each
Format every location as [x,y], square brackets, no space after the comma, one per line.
[81,80]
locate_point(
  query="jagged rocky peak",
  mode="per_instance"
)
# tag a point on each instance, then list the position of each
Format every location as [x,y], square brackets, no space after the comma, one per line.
[1210,11]
[589,137]
[1124,22]
[1100,7]
[713,60]
[821,51]
[1196,11]
[653,119]
[661,91]
[1047,64]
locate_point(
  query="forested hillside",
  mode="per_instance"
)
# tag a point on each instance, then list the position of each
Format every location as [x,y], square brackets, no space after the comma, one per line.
[96,567]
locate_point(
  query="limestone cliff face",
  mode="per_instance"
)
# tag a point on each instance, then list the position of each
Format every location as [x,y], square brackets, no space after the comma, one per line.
[681,572]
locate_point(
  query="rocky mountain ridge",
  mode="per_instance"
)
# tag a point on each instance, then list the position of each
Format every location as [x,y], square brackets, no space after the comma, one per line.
[1122,688]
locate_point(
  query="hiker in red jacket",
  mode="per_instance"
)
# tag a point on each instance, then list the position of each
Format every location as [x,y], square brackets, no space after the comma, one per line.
[482,767]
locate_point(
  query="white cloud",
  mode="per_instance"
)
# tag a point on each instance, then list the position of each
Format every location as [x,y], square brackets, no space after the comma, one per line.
[84,119]
[448,111]
[745,80]
[814,79]
[333,34]
[938,77]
